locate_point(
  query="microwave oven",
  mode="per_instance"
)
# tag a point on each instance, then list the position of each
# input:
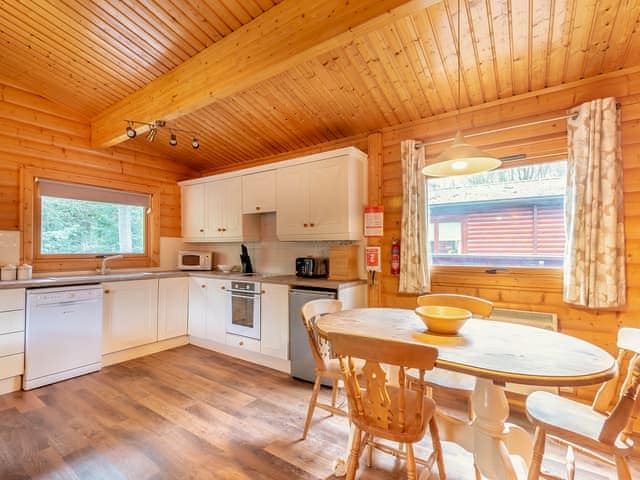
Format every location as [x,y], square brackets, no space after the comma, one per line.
[192,260]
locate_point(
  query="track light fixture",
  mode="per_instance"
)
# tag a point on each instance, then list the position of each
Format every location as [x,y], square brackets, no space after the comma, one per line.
[131,132]
[153,132]
[151,136]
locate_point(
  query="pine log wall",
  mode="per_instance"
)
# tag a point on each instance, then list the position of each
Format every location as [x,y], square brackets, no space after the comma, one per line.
[35,132]
[527,289]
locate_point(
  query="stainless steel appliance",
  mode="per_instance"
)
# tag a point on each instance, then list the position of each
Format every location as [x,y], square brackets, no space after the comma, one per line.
[63,334]
[302,364]
[194,260]
[312,267]
[243,308]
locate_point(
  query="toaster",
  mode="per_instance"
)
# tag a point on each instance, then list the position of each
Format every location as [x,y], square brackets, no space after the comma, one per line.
[311,267]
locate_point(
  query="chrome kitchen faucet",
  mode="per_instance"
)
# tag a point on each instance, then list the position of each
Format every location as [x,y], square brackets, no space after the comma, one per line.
[103,266]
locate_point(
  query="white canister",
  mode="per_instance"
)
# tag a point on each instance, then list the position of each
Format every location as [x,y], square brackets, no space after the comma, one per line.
[25,272]
[8,272]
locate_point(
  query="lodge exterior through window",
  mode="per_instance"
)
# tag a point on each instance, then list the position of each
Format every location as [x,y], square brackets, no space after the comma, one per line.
[511,217]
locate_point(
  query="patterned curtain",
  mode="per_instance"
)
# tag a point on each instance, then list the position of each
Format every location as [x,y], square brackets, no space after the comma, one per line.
[594,262]
[414,257]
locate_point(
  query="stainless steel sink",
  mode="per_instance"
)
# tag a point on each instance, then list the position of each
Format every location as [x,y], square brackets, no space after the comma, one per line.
[130,274]
[99,276]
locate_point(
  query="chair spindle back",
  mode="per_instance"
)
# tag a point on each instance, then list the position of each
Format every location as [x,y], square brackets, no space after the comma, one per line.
[374,405]
[310,312]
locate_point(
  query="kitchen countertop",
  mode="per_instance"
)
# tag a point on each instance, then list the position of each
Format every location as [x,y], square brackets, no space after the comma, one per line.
[62,279]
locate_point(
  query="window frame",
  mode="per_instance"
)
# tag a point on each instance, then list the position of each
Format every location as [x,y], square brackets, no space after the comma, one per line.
[523,270]
[31,225]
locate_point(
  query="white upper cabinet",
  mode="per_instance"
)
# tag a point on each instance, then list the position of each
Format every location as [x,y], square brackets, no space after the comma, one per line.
[292,200]
[321,200]
[193,211]
[212,212]
[259,192]
[224,209]
[317,197]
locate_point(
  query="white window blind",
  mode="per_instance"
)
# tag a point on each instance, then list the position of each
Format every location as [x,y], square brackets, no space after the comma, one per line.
[76,191]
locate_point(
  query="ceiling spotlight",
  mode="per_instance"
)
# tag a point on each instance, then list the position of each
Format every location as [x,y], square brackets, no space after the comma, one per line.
[156,125]
[131,132]
[151,136]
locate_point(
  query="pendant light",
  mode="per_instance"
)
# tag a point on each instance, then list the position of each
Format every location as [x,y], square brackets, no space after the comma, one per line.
[461,158]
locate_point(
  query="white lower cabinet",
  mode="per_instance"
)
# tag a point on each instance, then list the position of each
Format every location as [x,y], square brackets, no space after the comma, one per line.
[207,308]
[12,323]
[173,307]
[198,294]
[274,309]
[216,329]
[130,314]
[243,342]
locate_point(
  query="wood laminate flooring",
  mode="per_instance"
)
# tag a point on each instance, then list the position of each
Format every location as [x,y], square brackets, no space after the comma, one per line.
[186,413]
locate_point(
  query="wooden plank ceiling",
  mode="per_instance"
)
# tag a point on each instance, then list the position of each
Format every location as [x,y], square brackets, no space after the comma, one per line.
[88,55]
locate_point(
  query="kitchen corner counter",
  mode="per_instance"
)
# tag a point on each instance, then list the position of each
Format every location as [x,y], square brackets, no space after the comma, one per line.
[291,280]
[61,280]
[312,282]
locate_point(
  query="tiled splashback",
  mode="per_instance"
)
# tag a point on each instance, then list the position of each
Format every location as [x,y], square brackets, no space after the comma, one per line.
[270,255]
[9,247]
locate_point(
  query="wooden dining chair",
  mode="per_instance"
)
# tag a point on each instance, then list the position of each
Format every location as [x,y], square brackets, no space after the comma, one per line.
[598,430]
[396,413]
[325,367]
[459,383]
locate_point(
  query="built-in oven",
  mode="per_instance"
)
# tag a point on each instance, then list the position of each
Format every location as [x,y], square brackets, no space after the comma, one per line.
[243,308]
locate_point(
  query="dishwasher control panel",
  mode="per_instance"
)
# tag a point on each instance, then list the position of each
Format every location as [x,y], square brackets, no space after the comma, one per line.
[68,296]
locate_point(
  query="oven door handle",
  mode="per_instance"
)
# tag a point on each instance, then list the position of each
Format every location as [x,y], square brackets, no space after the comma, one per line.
[250,296]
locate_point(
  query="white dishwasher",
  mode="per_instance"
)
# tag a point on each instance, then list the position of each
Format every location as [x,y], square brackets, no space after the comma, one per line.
[63,334]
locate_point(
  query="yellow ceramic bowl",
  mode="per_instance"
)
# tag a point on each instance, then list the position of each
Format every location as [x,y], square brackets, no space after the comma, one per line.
[443,319]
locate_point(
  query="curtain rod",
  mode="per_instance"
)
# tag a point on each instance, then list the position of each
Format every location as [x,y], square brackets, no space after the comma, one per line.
[503,129]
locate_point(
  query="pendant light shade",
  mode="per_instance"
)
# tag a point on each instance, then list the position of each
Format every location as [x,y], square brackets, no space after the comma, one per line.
[461,158]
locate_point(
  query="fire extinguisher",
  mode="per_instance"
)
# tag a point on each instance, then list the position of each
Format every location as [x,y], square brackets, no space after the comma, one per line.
[395,256]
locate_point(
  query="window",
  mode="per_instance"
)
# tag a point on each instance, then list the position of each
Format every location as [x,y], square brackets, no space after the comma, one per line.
[85,220]
[508,217]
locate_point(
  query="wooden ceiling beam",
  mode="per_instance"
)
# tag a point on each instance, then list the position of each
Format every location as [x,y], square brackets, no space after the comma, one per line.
[285,36]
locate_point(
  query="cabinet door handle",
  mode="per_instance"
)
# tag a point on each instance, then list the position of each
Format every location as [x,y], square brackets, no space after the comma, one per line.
[263,292]
[241,343]
[223,287]
[257,207]
[107,291]
[305,225]
[219,229]
[312,224]
[224,229]
[201,230]
[203,286]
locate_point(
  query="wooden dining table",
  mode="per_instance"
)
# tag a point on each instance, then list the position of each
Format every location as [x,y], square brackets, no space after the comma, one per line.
[495,353]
